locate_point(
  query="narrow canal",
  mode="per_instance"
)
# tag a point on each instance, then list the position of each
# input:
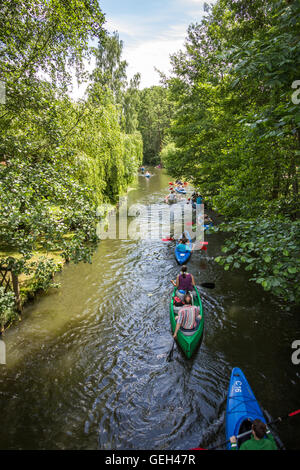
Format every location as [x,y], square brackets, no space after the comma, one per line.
[86,368]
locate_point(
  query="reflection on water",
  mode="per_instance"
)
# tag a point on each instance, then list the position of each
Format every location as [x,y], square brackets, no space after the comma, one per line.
[86,367]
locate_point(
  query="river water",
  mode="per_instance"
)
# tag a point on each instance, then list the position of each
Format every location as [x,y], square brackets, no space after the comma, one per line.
[86,368]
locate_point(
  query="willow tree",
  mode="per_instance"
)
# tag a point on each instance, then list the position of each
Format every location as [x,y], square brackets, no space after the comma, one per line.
[50,180]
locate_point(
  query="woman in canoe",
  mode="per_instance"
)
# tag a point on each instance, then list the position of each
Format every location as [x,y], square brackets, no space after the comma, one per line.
[188,318]
[185,281]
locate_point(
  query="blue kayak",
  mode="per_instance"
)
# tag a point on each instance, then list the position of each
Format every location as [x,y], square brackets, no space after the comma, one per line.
[181,257]
[207,226]
[180,191]
[242,406]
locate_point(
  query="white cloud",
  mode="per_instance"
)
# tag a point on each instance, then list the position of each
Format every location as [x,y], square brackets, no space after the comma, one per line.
[147,45]
[149,41]
[147,55]
[130,26]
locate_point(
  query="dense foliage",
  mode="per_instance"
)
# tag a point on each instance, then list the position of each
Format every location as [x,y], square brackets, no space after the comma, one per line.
[154,118]
[7,307]
[269,250]
[60,158]
[236,131]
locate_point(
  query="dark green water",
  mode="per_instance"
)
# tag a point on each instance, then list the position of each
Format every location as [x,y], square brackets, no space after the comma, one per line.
[86,368]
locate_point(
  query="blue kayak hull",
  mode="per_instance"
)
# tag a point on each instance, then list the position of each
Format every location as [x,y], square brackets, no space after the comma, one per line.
[241,404]
[180,191]
[182,258]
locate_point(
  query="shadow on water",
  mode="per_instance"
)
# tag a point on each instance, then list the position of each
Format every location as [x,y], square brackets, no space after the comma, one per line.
[87,369]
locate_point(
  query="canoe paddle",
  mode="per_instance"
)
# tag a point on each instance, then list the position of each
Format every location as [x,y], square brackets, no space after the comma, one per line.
[170,353]
[247,433]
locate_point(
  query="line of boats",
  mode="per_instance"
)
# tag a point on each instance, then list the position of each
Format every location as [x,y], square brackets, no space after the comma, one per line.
[242,407]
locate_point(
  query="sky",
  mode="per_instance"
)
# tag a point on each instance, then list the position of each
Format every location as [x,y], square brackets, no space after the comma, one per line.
[151,30]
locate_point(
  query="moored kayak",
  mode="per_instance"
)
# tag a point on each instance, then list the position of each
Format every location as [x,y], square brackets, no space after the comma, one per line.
[188,344]
[182,258]
[242,406]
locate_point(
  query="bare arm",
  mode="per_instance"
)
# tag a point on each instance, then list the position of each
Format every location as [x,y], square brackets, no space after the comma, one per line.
[177,325]
[175,284]
[176,330]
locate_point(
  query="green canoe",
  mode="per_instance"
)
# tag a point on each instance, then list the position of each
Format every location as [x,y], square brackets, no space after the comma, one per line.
[188,343]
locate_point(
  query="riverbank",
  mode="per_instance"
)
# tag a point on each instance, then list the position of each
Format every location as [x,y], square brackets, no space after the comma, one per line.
[29,285]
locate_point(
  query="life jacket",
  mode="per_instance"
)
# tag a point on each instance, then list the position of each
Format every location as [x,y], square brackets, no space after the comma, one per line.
[178,302]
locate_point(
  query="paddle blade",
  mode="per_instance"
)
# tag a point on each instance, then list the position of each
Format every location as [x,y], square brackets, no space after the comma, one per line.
[168,239]
[294,413]
[170,355]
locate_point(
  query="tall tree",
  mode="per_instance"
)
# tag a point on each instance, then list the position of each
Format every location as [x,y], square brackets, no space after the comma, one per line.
[110,70]
[236,128]
[154,117]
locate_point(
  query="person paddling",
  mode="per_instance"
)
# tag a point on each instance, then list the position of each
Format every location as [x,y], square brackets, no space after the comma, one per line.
[188,318]
[261,438]
[199,199]
[207,219]
[185,281]
[171,197]
[183,245]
